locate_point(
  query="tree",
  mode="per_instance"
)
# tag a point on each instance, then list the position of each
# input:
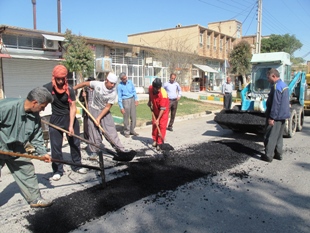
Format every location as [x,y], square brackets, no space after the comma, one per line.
[178,56]
[240,58]
[282,43]
[79,57]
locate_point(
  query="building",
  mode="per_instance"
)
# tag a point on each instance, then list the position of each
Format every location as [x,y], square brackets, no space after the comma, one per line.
[212,44]
[28,56]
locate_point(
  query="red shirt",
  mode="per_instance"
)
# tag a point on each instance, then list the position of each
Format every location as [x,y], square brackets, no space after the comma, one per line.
[159,101]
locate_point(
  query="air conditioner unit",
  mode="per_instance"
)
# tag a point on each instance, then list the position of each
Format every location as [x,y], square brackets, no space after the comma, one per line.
[50,44]
[103,64]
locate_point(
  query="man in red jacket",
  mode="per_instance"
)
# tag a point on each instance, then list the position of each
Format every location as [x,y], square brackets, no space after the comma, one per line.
[159,103]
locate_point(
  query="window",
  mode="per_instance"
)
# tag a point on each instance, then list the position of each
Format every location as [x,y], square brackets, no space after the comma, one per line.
[221,44]
[214,43]
[208,41]
[22,42]
[195,73]
[201,39]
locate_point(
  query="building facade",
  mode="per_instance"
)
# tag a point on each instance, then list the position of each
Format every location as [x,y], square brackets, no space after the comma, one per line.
[28,56]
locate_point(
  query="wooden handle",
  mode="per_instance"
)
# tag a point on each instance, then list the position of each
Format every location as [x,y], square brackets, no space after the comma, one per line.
[22,155]
[100,127]
[157,126]
[90,115]
[85,98]
[67,132]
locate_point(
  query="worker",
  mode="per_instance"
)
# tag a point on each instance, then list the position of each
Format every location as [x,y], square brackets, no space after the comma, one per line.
[278,110]
[159,104]
[127,101]
[63,116]
[227,89]
[20,125]
[103,99]
[174,94]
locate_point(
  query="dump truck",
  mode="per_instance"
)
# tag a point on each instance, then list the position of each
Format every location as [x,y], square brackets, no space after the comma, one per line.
[250,115]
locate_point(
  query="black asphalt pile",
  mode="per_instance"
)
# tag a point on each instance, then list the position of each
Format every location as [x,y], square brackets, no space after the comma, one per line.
[241,121]
[147,176]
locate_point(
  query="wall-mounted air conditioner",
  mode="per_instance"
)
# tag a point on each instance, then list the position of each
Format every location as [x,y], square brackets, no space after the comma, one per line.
[50,44]
[103,64]
[51,41]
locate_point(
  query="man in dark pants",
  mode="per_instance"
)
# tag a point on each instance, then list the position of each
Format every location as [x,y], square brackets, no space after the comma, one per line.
[227,89]
[278,110]
[63,116]
[174,92]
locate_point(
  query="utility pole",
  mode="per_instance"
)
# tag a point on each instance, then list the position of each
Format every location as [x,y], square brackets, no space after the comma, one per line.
[59,15]
[259,26]
[34,10]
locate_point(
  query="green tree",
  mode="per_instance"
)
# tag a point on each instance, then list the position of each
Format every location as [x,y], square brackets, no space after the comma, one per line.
[79,57]
[282,43]
[240,58]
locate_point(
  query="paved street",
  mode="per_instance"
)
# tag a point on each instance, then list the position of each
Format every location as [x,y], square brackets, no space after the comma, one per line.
[253,197]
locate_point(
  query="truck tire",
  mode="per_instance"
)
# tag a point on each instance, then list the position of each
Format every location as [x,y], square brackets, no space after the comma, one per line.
[300,118]
[237,108]
[291,125]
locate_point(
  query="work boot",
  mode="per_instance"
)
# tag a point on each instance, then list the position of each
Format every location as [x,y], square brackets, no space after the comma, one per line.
[154,144]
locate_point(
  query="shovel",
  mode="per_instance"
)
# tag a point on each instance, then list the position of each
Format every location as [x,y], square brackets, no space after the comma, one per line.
[164,146]
[120,155]
[100,168]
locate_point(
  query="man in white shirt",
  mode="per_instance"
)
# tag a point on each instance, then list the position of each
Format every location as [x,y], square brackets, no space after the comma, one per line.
[227,89]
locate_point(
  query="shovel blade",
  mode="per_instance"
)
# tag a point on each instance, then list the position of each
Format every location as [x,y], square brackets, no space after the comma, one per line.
[125,156]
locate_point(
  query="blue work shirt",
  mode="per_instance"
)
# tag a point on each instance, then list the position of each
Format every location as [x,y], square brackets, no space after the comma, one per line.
[125,91]
[278,103]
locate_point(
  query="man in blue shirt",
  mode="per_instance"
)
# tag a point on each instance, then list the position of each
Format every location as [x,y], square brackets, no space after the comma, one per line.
[127,101]
[174,94]
[278,110]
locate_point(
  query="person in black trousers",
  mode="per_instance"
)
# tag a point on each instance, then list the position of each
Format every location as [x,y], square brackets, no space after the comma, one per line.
[63,116]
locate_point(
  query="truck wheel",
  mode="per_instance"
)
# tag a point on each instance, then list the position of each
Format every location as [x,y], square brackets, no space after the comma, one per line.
[237,108]
[300,118]
[291,125]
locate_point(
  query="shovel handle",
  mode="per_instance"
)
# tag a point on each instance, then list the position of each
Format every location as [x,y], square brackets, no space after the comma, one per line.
[100,127]
[74,135]
[159,133]
[53,160]
[22,155]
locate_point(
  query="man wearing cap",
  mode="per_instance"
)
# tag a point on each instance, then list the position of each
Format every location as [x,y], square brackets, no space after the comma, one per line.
[127,101]
[63,116]
[104,97]
[159,104]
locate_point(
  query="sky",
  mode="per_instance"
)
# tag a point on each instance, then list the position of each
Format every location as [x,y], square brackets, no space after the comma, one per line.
[115,19]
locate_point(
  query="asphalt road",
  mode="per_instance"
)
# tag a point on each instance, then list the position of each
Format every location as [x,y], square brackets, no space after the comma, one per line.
[254,196]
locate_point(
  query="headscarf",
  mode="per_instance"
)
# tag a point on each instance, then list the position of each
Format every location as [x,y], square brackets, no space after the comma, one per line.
[60,71]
